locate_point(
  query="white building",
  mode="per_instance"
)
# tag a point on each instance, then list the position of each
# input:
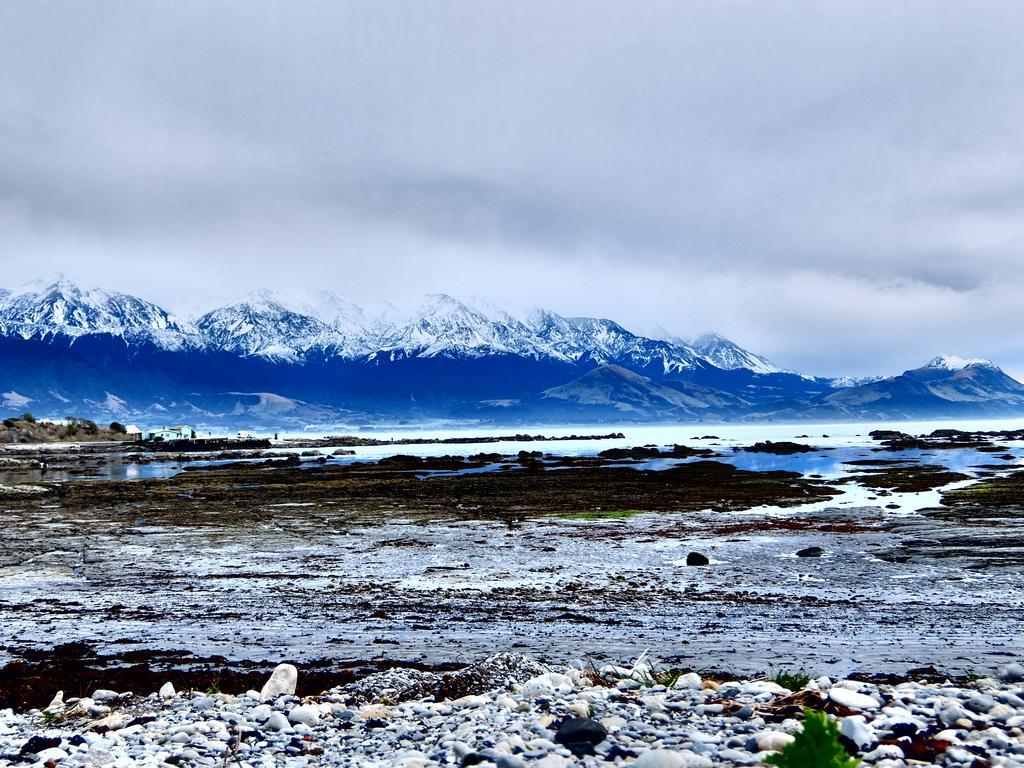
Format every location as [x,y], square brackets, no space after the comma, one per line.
[165,434]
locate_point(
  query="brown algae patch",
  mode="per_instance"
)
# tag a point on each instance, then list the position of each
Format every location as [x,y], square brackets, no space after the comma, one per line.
[907,479]
[995,492]
[247,494]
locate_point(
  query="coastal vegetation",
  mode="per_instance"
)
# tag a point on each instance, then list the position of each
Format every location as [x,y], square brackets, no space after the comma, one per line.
[26,428]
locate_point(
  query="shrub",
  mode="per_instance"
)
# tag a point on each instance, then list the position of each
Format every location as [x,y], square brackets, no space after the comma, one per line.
[26,416]
[76,424]
[118,427]
[816,746]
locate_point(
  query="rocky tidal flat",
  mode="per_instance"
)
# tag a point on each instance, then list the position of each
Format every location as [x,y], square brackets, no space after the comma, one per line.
[894,569]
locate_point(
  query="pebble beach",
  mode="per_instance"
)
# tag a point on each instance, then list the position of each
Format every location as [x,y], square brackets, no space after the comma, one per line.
[512,712]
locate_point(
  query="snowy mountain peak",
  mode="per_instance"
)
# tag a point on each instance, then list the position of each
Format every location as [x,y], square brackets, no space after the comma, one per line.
[725,354]
[323,305]
[954,363]
[64,308]
[443,305]
[606,342]
[539,319]
[40,286]
[263,301]
[260,326]
[445,326]
[710,339]
[848,382]
[473,310]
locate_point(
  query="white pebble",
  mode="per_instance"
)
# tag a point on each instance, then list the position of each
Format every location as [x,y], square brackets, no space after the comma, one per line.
[99,756]
[852,699]
[110,722]
[665,758]
[53,753]
[857,730]
[545,685]
[773,741]
[689,681]
[277,722]
[306,714]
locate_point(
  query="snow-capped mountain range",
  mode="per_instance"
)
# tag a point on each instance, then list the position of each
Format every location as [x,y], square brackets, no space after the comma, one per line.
[294,327]
[301,357]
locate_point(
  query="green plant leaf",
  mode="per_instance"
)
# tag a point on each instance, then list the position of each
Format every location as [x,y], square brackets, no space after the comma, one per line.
[816,746]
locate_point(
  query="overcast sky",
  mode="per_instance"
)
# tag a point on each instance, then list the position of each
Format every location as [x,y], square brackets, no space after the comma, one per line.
[837,185]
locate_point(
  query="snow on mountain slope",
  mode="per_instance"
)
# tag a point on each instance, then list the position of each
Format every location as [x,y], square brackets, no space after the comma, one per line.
[359,330]
[444,326]
[605,342]
[63,308]
[975,380]
[846,382]
[260,326]
[729,356]
[326,306]
[944,380]
[4,297]
[363,325]
[563,338]
[954,363]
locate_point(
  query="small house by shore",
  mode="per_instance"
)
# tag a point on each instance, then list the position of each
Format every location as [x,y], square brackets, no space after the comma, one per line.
[166,434]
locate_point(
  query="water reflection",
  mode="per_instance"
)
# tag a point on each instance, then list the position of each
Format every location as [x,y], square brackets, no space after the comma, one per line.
[836,446]
[836,463]
[114,468]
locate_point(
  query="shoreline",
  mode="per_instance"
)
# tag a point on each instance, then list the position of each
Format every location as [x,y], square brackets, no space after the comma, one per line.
[30,680]
[510,711]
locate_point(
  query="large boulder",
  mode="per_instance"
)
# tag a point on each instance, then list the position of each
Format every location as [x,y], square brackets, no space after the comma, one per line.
[282,682]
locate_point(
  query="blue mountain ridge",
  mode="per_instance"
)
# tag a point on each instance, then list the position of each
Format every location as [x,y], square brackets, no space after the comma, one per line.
[287,362]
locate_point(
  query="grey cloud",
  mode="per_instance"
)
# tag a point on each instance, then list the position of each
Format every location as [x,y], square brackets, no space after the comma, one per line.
[715,159]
